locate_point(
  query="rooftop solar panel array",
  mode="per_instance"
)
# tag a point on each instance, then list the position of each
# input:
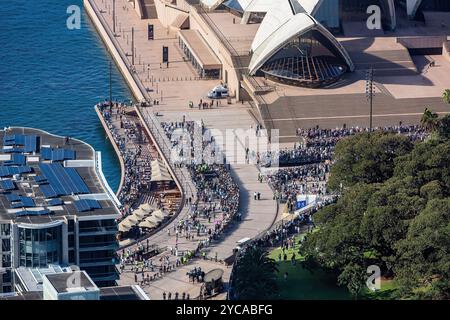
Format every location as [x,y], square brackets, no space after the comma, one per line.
[23,202]
[57,154]
[13,150]
[7,184]
[40,179]
[29,143]
[87,205]
[8,171]
[64,181]
[12,197]
[55,202]
[16,160]
[32,213]
[48,191]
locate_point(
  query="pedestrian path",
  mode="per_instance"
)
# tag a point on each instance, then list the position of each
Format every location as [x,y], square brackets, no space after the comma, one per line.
[174,95]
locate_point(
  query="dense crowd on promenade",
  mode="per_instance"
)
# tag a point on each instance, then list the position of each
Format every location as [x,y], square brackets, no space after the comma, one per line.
[129,139]
[210,210]
[217,197]
[305,168]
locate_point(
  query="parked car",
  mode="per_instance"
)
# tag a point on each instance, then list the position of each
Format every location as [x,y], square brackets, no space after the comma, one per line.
[218,92]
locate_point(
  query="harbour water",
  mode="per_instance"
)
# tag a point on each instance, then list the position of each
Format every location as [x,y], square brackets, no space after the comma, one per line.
[51,77]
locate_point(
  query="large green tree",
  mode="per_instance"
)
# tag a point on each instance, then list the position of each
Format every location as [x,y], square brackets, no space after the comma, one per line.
[366,158]
[446,96]
[255,276]
[399,221]
[429,119]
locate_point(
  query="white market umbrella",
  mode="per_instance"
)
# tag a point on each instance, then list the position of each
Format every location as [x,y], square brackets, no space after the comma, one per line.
[148,224]
[153,219]
[159,214]
[140,214]
[147,207]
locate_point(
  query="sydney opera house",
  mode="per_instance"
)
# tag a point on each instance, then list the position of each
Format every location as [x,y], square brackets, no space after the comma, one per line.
[285,56]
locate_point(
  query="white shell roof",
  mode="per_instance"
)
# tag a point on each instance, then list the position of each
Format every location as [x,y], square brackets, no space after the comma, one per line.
[279,26]
[264,5]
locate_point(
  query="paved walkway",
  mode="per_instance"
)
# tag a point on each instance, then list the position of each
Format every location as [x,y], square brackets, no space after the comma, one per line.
[174,94]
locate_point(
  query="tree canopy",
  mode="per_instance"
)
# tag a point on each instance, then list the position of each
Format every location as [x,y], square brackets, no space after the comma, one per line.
[255,277]
[394,212]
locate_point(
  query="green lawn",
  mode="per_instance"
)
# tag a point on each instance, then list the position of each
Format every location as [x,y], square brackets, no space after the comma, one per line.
[318,285]
[302,284]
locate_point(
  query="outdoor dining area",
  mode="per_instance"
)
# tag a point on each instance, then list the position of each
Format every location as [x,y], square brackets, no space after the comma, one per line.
[161,178]
[146,217]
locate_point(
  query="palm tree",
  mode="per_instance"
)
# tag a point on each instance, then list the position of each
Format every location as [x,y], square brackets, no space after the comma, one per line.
[255,276]
[429,120]
[446,96]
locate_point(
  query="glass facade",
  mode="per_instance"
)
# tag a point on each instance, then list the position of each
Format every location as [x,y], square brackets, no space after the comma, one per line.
[5,230]
[40,247]
[308,60]
[97,250]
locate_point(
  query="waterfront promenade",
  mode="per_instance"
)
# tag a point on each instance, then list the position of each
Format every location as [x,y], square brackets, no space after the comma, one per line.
[173,98]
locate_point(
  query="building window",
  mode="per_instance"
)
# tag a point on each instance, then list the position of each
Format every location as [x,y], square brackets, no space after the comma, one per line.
[40,247]
[7,276]
[6,260]
[5,229]
[6,245]
[70,226]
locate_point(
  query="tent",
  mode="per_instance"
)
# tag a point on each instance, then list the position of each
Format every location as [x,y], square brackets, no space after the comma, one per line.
[147,207]
[133,221]
[140,214]
[160,172]
[153,219]
[159,214]
[125,226]
[148,224]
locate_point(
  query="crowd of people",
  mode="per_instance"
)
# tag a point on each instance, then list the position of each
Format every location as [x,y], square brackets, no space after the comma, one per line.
[130,139]
[217,195]
[192,142]
[305,168]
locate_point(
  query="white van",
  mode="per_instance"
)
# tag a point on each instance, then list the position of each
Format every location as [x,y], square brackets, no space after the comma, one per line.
[218,92]
[241,243]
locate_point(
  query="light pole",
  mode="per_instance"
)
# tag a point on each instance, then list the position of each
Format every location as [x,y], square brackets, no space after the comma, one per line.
[369,94]
[132,45]
[110,83]
[114,17]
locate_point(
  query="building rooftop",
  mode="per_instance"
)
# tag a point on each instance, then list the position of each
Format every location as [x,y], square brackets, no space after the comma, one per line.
[31,279]
[66,282]
[44,178]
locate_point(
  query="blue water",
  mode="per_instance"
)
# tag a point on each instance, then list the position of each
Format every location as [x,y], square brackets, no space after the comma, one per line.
[51,77]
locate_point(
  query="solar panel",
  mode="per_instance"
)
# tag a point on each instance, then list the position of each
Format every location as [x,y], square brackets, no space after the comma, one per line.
[7,171]
[24,202]
[24,169]
[32,213]
[57,154]
[55,202]
[64,181]
[86,205]
[29,142]
[16,160]
[12,197]
[12,150]
[40,179]
[46,153]
[7,185]
[48,191]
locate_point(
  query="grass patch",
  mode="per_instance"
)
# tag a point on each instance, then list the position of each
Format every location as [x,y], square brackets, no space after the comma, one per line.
[303,284]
